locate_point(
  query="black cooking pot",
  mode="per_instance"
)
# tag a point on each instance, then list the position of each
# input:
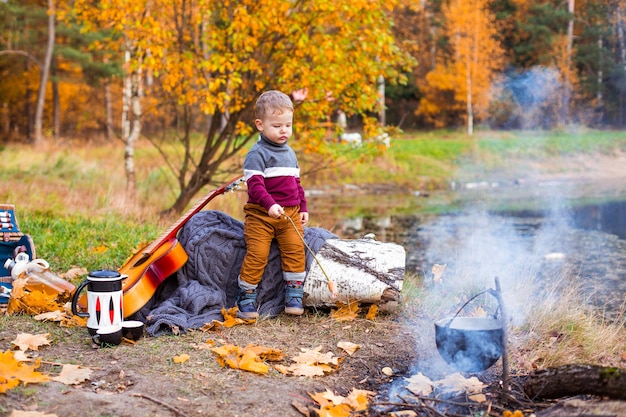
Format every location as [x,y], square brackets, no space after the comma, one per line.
[469,344]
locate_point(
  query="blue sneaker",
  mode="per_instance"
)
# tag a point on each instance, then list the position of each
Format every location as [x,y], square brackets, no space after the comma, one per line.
[246,303]
[293,298]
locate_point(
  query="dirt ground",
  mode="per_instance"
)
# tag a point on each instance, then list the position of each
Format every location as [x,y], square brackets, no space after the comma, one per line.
[142,379]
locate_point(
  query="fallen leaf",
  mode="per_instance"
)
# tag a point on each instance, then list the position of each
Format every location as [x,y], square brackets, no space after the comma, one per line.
[348,347]
[340,410]
[55,315]
[182,358]
[265,353]
[314,356]
[516,413]
[74,273]
[320,397]
[458,383]
[438,271]
[372,312]
[20,413]
[479,398]
[332,398]
[25,341]
[420,384]
[358,399]
[303,369]
[73,374]
[251,362]
[20,355]
[13,371]
[345,312]
[99,249]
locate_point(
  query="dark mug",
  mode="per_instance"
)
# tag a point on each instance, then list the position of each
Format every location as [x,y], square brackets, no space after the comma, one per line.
[132,329]
[108,336]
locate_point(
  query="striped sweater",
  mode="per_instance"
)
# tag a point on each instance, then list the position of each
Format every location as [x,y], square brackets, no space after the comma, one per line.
[272,174]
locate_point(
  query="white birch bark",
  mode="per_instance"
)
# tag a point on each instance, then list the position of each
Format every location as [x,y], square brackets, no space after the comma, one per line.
[45,72]
[363,270]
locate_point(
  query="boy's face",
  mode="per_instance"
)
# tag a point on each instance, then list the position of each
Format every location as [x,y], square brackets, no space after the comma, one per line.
[277,127]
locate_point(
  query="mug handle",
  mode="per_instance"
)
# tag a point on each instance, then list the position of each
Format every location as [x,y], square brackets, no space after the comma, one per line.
[75,300]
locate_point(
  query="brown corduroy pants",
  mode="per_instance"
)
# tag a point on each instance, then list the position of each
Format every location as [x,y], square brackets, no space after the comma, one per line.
[259,230]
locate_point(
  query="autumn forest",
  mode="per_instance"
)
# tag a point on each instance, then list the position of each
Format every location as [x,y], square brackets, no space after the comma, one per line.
[171,70]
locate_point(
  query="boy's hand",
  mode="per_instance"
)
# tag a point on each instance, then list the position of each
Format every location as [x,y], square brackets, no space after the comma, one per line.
[304,217]
[276,211]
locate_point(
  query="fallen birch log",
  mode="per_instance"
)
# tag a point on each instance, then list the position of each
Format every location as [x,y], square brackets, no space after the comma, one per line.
[571,380]
[363,270]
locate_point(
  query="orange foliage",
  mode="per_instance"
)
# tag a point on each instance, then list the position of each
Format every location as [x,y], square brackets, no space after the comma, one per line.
[218,55]
[462,81]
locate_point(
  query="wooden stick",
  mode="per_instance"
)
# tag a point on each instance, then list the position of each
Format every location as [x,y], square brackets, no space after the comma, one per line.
[169,407]
[331,285]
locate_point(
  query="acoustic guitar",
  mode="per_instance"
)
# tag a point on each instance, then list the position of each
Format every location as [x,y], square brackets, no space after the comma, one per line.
[149,267]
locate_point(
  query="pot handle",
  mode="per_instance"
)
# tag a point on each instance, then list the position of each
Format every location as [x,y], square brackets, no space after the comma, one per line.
[75,300]
[495,293]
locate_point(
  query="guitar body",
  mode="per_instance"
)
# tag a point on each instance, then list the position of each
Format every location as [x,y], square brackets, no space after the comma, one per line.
[149,267]
[145,274]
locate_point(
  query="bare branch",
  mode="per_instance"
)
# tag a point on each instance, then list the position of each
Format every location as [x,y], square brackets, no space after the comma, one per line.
[28,56]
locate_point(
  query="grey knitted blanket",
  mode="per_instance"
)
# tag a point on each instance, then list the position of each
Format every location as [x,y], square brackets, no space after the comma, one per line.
[196,294]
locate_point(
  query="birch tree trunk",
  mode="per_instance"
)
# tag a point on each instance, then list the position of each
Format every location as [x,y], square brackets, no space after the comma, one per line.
[108,109]
[131,124]
[56,102]
[567,91]
[363,270]
[45,72]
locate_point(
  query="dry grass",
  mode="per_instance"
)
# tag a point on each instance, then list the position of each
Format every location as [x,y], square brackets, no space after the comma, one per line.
[566,330]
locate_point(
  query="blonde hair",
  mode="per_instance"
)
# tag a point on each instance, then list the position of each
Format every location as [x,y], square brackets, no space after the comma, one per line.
[270,102]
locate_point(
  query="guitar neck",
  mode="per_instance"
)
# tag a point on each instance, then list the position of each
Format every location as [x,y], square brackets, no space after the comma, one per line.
[172,230]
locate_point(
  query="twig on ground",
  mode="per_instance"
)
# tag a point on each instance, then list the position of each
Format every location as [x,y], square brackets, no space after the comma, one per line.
[154,400]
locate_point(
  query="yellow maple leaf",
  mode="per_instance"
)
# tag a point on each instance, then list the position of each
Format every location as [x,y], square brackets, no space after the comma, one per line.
[73,321]
[230,320]
[182,358]
[339,410]
[13,371]
[333,398]
[72,374]
[266,353]
[228,355]
[99,249]
[372,312]
[345,312]
[25,341]
[358,399]
[251,362]
[320,397]
[30,300]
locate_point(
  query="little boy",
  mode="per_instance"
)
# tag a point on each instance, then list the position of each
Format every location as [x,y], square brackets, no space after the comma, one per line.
[272,174]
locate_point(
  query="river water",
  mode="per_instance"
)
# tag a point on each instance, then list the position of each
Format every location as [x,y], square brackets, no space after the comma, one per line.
[566,233]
